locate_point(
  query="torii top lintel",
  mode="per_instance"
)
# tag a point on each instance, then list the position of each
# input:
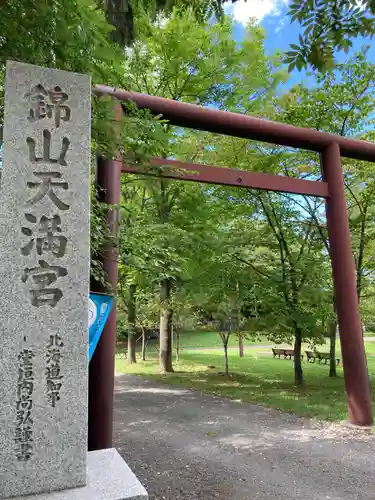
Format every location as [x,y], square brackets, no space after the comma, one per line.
[239,125]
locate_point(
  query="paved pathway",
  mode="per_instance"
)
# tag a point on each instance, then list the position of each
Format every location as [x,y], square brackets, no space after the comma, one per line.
[185,445]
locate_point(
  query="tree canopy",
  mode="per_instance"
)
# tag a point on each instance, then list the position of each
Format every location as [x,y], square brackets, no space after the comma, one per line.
[259,260]
[122,14]
[328,26]
[240,261]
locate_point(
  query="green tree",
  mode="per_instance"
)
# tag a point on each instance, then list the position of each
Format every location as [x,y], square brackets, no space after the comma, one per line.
[216,296]
[289,268]
[124,14]
[208,68]
[75,37]
[328,26]
[342,103]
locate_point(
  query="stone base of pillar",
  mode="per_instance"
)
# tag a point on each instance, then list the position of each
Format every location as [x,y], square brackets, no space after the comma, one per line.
[108,478]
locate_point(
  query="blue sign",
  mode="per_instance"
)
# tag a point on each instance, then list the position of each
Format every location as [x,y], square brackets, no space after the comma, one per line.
[99,308]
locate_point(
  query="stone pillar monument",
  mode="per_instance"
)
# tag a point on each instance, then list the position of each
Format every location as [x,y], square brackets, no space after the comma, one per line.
[44,277]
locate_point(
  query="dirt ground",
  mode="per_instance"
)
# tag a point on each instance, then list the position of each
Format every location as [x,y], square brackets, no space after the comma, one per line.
[184,445]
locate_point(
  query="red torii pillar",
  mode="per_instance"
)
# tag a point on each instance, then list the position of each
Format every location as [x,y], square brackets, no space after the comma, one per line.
[344,278]
[102,365]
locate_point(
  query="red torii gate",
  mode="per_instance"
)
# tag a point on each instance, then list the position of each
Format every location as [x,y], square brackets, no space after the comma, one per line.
[330,147]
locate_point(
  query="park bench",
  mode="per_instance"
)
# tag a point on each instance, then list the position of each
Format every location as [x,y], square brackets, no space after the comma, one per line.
[150,333]
[325,356]
[287,353]
[320,356]
[310,356]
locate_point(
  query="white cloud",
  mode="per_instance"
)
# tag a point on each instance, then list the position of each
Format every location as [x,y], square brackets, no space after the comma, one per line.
[243,11]
[280,25]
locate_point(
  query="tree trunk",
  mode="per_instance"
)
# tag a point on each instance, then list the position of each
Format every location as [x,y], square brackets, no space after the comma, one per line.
[166,314]
[361,253]
[166,311]
[298,373]
[120,14]
[240,336]
[132,340]
[177,337]
[144,344]
[332,347]
[225,339]
[240,345]
[226,358]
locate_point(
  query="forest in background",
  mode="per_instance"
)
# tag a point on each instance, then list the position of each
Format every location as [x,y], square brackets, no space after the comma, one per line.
[246,262]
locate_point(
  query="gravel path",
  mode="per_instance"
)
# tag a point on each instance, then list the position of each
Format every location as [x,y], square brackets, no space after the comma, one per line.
[184,445]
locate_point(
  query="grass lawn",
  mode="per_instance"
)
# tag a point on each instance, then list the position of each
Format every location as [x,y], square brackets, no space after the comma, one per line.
[370,347]
[257,378]
[212,339]
[206,339]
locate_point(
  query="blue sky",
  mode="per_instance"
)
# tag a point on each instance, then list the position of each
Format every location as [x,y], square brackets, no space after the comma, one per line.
[272,15]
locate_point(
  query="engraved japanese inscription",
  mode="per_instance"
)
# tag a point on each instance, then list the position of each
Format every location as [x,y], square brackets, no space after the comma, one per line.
[49,237]
[48,103]
[45,255]
[23,435]
[53,369]
[45,237]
